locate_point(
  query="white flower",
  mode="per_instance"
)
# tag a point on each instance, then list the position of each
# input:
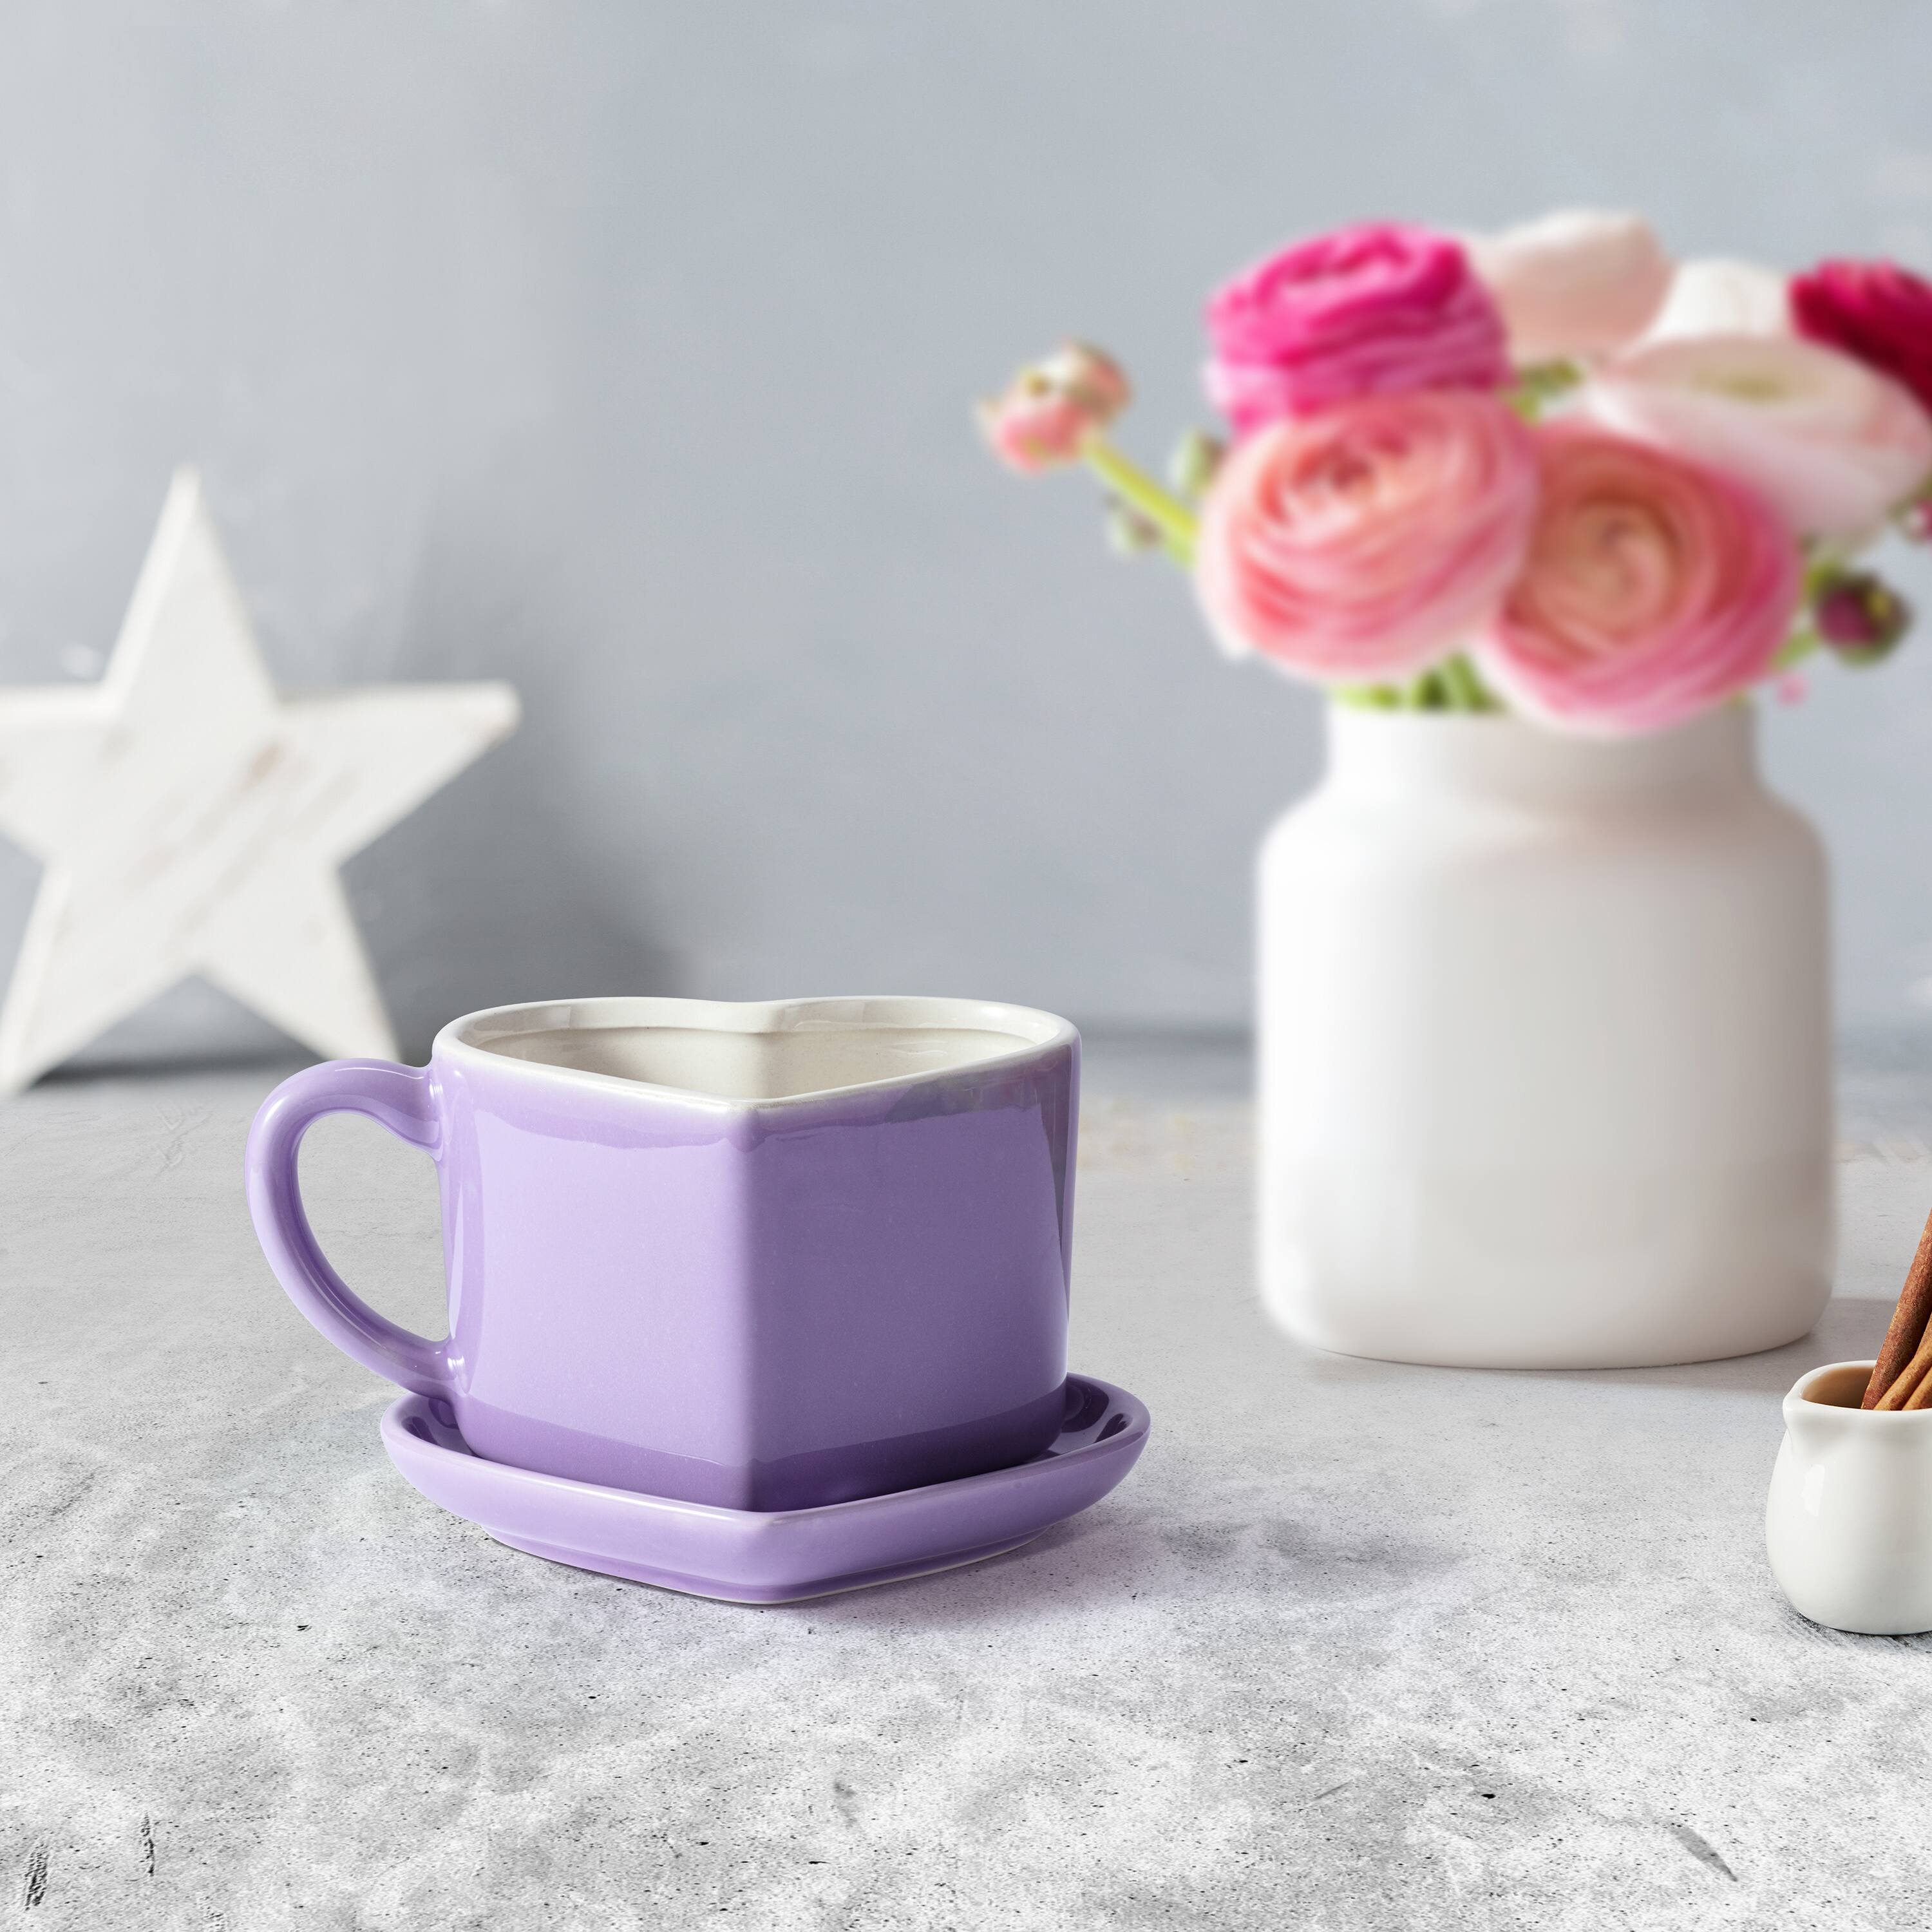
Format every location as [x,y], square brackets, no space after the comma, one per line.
[1831,445]
[1718,298]
[1576,282]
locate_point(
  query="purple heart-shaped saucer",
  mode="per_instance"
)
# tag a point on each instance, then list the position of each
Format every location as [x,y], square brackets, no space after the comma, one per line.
[756,1557]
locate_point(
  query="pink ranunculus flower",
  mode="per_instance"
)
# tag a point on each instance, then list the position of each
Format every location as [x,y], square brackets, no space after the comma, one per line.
[1654,588]
[1876,310]
[1049,408]
[1834,446]
[1369,310]
[1573,283]
[1362,544]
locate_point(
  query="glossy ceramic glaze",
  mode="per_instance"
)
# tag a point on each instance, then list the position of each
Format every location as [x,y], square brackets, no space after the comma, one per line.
[1545,1034]
[756,1557]
[1849,1523]
[760,1256]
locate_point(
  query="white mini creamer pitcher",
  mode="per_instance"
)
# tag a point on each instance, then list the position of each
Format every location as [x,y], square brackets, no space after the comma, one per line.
[1849,1519]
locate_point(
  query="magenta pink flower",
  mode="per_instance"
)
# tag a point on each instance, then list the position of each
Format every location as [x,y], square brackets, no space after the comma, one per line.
[1653,590]
[1047,412]
[1876,310]
[1359,544]
[1374,310]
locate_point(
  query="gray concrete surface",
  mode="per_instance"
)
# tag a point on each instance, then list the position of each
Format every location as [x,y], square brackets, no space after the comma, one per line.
[1357,1647]
[625,349]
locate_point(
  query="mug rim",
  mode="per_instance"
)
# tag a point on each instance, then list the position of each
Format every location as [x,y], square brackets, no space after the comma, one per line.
[1035,1032]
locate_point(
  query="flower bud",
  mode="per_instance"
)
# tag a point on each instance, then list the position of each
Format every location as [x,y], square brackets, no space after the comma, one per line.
[1196,457]
[1860,617]
[1128,533]
[1050,408]
[1916,520]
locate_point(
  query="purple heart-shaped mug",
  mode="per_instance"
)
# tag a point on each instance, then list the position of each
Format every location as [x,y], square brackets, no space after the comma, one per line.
[766,1256]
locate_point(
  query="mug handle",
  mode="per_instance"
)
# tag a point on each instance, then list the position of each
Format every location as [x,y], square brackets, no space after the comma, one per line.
[403,1099]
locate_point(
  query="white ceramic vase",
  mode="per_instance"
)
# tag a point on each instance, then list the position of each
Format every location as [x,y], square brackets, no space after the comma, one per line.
[1545,1049]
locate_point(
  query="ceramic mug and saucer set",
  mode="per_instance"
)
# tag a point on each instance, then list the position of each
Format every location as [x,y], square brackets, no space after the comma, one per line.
[756,1302]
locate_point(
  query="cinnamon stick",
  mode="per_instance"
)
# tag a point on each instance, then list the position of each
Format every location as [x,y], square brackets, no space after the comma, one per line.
[1912,1380]
[1904,1339]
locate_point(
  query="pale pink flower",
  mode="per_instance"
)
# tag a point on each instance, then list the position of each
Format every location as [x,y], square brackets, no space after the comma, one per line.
[1574,283]
[1048,411]
[1654,588]
[1716,297]
[1374,310]
[1361,544]
[1834,446]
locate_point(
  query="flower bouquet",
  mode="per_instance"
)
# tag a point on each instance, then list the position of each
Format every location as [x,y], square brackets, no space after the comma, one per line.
[1545,1034]
[1543,471]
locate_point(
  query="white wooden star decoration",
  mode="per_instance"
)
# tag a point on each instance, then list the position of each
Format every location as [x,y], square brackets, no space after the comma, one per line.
[190,820]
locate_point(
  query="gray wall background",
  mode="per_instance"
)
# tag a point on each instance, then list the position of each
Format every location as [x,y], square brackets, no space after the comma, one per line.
[625,350]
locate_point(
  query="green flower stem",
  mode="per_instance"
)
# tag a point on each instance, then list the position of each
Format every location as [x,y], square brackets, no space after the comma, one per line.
[1796,649]
[1467,691]
[1540,385]
[1366,697]
[1430,692]
[1138,490]
[1452,685]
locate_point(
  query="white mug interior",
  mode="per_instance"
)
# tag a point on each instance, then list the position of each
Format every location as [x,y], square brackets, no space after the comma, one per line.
[762,1050]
